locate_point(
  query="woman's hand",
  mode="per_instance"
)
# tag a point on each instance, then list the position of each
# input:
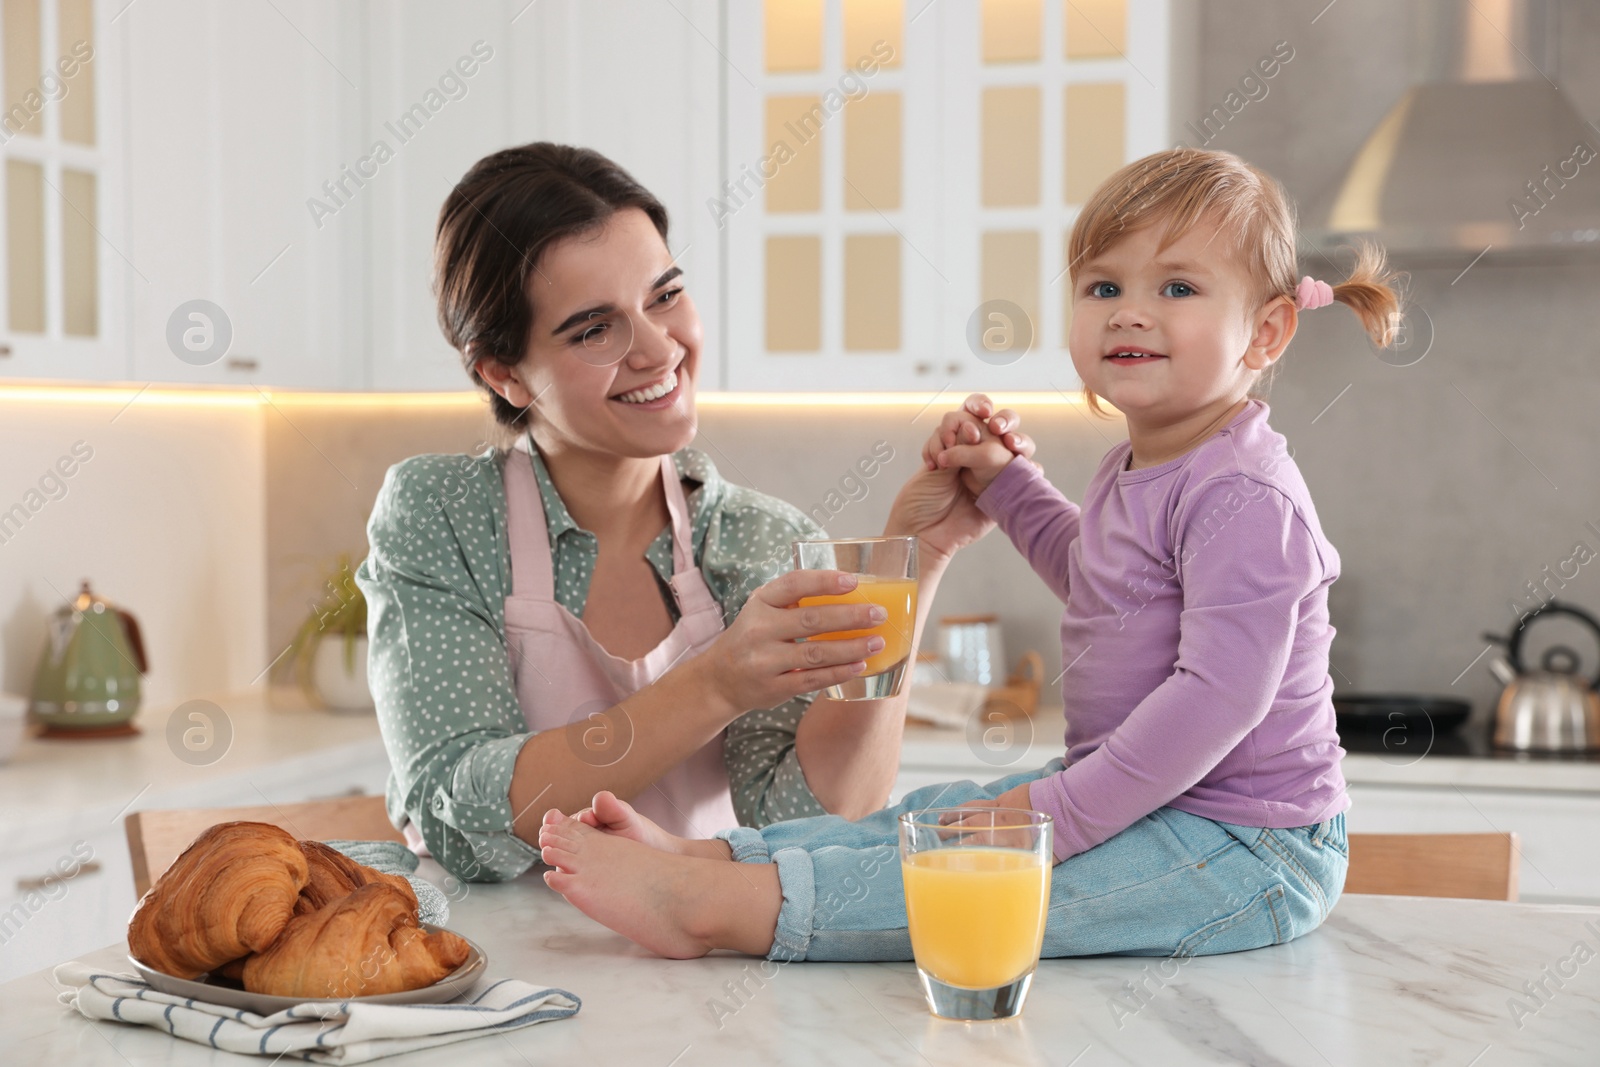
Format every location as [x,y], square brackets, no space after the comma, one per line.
[939,502]
[941,512]
[758,662]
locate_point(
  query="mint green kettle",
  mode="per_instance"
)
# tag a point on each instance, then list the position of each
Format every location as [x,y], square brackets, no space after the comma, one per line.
[88,676]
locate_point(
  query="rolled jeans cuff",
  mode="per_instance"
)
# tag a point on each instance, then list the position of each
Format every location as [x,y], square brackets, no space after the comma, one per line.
[797,878]
[746,844]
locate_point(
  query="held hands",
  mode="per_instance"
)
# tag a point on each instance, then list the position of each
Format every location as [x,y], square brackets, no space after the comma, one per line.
[758,661]
[939,502]
[978,441]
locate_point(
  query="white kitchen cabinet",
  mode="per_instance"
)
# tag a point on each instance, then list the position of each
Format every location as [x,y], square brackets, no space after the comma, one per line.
[1557,829]
[64,279]
[439,95]
[45,918]
[286,163]
[556,71]
[236,114]
[980,129]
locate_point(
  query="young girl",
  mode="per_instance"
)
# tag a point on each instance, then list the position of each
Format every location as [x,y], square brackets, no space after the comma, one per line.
[1199,808]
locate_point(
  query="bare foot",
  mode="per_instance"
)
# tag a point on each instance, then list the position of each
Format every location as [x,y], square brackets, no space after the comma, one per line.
[676,906]
[617,817]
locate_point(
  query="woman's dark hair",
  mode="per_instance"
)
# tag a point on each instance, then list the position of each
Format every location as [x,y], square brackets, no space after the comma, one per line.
[494,226]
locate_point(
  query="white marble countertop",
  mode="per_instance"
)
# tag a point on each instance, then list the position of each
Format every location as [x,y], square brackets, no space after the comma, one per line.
[49,776]
[1387,980]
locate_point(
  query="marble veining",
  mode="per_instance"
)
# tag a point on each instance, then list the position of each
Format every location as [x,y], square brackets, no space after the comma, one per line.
[1387,980]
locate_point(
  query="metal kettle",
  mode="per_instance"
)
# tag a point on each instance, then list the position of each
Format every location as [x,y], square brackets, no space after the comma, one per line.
[1553,708]
[88,675]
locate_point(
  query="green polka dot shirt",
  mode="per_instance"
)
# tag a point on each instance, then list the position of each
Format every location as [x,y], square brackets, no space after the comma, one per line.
[436,580]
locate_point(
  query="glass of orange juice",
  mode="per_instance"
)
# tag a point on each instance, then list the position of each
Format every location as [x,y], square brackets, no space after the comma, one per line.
[977,883]
[886,570]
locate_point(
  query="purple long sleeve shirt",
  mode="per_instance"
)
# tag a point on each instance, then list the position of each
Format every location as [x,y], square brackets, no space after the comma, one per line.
[1195,636]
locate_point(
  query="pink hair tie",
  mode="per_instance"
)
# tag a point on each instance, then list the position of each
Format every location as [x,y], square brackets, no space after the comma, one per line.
[1311,294]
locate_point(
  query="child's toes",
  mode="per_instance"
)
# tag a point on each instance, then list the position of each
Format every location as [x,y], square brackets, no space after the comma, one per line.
[609,809]
[556,834]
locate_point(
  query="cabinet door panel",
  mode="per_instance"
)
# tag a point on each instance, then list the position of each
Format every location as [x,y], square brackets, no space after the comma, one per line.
[436,121]
[46,919]
[1554,827]
[235,115]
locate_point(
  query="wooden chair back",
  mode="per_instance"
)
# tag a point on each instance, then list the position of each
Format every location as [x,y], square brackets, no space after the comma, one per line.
[157,838]
[1474,866]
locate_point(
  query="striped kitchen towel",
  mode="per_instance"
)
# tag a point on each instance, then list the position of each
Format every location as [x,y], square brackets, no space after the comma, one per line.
[350,1032]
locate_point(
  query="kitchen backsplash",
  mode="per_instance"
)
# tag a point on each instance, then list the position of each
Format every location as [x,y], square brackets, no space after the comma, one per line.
[160,505]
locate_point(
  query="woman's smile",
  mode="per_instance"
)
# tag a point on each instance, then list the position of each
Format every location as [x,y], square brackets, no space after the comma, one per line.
[658,394]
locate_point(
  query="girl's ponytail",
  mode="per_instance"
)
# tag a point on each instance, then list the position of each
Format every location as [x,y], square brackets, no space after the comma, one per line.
[1372,292]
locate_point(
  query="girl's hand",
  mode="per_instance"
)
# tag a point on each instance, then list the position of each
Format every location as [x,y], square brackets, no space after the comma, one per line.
[759,661]
[979,441]
[1004,424]
[1003,835]
[1016,797]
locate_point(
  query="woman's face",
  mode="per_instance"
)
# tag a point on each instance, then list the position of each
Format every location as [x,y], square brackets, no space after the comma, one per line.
[614,349]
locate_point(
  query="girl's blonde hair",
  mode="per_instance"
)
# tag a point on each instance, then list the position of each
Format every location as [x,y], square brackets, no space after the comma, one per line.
[1183,187]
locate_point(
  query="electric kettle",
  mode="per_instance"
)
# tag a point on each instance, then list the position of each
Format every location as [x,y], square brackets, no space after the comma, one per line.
[88,676]
[1553,708]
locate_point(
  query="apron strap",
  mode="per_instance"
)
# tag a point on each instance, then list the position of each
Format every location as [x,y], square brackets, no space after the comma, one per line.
[689,588]
[532,571]
[678,509]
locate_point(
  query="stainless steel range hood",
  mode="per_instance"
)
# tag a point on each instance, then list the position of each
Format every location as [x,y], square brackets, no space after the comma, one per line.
[1485,151]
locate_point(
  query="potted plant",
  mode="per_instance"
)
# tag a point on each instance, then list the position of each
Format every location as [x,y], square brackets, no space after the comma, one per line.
[333,673]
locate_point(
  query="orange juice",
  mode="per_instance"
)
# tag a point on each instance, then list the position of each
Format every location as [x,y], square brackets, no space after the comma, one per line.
[897,596]
[976,914]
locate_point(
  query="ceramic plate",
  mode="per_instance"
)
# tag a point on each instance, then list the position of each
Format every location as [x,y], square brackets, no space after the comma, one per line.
[448,988]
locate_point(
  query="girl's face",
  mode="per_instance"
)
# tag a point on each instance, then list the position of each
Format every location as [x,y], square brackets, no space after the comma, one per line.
[1164,335]
[614,348]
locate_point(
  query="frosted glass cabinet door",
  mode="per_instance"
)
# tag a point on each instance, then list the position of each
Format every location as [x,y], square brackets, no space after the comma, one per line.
[62,275]
[237,114]
[901,179]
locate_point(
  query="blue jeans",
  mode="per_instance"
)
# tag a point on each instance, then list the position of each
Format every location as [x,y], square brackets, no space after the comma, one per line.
[1172,884]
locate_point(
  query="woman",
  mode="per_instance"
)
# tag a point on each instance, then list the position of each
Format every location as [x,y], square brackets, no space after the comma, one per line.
[584,610]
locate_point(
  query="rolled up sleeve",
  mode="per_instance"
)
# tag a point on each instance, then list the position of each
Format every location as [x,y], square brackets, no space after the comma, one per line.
[440,678]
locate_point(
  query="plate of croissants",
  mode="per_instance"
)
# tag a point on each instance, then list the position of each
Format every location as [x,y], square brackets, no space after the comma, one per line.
[250,917]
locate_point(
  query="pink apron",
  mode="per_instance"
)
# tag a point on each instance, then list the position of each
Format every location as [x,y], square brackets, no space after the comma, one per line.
[563,675]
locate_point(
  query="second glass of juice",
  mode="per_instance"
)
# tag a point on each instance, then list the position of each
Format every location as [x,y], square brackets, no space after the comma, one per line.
[977,885]
[887,571]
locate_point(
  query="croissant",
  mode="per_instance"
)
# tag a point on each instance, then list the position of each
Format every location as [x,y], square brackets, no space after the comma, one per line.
[335,875]
[231,893]
[363,944]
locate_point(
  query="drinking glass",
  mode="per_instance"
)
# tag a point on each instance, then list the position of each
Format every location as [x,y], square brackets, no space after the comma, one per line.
[977,884]
[887,572]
